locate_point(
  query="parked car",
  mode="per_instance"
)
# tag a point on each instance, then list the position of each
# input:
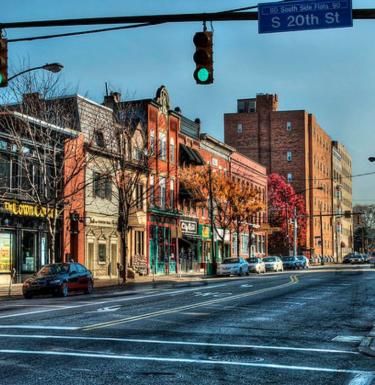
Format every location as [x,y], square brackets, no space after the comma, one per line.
[233,266]
[304,261]
[353,258]
[256,265]
[273,263]
[366,258]
[59,279]
[291,263]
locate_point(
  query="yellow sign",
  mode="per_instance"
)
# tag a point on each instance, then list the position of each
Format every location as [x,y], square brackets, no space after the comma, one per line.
[5,252]
[28,210]
[205,232]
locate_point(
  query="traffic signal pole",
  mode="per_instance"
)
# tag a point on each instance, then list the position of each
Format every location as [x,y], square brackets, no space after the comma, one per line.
[362,14]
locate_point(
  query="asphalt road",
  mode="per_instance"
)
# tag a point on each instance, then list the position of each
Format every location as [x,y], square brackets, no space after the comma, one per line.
[290,328]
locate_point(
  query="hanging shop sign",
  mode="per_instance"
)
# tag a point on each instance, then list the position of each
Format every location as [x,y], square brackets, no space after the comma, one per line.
[188,227]
[29,210]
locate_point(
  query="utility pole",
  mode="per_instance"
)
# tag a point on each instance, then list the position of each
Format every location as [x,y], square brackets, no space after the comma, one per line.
[321,235]
[295,231]
[213,251]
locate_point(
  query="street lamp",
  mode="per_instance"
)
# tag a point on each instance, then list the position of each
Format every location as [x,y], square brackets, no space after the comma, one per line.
[51,67]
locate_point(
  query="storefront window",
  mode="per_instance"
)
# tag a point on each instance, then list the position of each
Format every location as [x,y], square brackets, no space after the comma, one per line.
[102,252]
[6,247]
[28,248]
[43,251]
[244,244]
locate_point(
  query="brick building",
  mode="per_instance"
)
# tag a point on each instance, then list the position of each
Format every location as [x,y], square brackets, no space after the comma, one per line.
[292,144]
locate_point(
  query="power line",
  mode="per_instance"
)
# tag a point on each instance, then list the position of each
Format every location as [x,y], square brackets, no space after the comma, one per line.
[43,37]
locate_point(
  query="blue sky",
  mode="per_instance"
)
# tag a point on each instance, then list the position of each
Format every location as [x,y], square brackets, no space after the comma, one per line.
[327,72]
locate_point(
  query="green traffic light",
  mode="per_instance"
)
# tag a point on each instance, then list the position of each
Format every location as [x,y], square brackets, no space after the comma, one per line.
[203,74]
[1,78]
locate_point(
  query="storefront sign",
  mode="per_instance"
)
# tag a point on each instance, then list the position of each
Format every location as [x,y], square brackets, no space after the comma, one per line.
[205,232]
[29,210]
[189,227]
[5,253]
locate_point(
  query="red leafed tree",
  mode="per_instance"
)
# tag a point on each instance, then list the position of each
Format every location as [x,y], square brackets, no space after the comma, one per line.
[282,201]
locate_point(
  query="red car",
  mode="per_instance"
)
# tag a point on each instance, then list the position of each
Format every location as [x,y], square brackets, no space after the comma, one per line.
[59,279]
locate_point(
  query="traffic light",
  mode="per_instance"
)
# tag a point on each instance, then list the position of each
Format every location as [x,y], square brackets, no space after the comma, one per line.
[347,214]
[3,62]
[204,71]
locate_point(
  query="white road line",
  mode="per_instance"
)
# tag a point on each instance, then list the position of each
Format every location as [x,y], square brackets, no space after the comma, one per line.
[177,292]
[362,379]
[183,343]
[39,327]
[347,338]
[181,360]
[195,314]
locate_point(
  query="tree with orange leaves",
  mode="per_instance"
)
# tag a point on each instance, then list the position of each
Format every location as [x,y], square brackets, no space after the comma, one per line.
[233,203]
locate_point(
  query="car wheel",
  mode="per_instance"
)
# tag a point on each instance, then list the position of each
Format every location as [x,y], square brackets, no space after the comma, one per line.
[27,296]
[64,290]
[89,288]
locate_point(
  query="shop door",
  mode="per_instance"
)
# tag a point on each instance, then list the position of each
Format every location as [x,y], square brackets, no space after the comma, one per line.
[153,250]
[28,251]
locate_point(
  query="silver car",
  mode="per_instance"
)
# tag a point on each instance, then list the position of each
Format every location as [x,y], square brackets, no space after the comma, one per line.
[256,265]
[233,266]
[273,263]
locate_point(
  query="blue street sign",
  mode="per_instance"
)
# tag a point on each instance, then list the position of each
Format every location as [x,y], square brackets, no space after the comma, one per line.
[299,15]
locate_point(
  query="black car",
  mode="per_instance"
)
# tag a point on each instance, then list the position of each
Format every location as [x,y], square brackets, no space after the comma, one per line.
[59,279]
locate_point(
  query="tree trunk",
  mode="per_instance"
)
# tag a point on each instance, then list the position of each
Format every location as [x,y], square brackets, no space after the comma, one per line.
[124,254]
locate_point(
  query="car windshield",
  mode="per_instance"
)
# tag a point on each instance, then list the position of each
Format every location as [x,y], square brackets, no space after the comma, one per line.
[53,269]
[288,259]
[269,259]
[231,260]
[253,260]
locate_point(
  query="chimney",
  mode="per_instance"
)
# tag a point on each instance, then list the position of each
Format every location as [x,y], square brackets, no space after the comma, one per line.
[112,100]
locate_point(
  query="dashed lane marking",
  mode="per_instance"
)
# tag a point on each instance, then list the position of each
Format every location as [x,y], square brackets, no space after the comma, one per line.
[348,338]
[180,360]
[171,342]
[292,281]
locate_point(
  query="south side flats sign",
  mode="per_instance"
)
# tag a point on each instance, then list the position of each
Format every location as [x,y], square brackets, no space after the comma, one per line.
[28,210]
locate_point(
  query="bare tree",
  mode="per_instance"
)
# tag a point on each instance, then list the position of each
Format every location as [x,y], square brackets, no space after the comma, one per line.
[45,149]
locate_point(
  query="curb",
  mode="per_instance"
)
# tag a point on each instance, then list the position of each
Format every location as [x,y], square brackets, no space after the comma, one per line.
[365,345]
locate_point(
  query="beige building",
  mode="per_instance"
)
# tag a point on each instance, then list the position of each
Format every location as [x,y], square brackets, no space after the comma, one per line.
[342,234]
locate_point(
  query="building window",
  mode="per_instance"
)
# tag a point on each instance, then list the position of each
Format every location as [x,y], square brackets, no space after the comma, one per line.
[239,128]
[162,192]
[139,242]
[172,151]
[102,252]
[171,194]
[244,244]
[99,139]
[162,147]
[289,126]
[139,196]
[152,143]
[102,186]
[289,156]
[214,162]
[289,177]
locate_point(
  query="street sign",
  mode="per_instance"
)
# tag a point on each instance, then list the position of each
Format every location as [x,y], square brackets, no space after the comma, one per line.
[299,15]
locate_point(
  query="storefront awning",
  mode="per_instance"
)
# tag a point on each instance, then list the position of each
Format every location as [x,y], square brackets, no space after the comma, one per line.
[191,155]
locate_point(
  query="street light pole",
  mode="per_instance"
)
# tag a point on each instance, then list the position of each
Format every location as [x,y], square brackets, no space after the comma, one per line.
[51,67]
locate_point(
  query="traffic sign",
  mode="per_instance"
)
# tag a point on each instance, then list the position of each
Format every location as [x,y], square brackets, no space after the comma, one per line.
[299,15]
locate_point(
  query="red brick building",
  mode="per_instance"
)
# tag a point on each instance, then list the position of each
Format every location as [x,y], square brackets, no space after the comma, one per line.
[292,144]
